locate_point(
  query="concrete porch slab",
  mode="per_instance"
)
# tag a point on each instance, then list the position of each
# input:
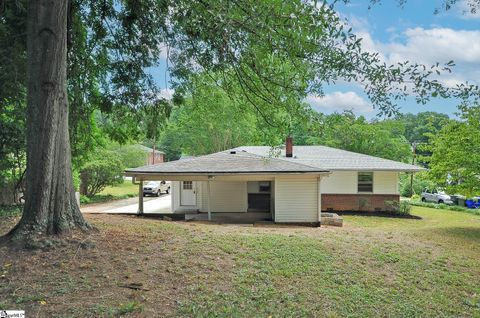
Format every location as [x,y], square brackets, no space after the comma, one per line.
[231,217]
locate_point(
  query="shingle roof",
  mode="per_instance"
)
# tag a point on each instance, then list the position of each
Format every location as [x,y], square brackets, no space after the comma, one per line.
[258,159]
[327,158]
[226,162]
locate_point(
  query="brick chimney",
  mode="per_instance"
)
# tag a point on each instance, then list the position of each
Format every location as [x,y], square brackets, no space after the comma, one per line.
[289,147]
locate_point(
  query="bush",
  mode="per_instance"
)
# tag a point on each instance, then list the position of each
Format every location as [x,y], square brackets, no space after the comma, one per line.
[104,169]
[405,208]
[10,210]
[76,179]
[444,207]
[392,206]
[415,197]
[398,208]
[84,200]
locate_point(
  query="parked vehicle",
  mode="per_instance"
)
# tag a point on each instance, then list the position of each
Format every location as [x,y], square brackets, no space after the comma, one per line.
[156,188]
[436,196]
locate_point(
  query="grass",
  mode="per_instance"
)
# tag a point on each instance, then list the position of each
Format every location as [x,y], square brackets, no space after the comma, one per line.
[122,191]
[126,188]
[373,266]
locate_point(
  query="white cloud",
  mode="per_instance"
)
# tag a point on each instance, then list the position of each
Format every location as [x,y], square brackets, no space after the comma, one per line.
[429,46]
[339,101]
[436,45]
[167,93]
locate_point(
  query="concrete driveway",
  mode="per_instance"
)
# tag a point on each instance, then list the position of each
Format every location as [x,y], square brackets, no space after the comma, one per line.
[161,204]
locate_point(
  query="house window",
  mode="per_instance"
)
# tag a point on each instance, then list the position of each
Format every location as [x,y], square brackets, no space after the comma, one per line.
[264,186]
[187,185]
[365,182]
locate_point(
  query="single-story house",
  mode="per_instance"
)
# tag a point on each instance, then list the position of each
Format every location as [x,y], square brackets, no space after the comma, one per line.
[294,184]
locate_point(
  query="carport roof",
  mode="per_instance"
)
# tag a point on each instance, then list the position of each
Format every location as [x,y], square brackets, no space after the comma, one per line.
[226,162]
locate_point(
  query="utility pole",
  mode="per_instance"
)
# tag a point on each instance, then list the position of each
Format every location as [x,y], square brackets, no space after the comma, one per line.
[414,154]
[153,155]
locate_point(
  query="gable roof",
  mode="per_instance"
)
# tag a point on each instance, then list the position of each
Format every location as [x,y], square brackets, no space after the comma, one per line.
[259,160]
[330,159]
[226,162]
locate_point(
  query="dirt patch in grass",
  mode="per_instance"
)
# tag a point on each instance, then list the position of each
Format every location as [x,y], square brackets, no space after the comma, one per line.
[78,281]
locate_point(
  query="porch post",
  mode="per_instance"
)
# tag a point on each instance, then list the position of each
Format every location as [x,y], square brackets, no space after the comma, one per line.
[319,201]
[209,199]
[140,197]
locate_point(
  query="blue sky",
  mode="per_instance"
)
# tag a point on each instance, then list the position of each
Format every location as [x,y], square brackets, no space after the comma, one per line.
[412,32]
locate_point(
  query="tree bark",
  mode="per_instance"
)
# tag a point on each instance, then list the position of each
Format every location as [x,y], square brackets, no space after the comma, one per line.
[50,205]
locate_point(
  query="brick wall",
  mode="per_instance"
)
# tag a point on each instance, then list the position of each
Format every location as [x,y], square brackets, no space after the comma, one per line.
[357,202]
[158,158]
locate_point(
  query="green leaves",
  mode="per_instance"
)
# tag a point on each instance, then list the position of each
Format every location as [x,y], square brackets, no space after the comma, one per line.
[104,168]
[455,162]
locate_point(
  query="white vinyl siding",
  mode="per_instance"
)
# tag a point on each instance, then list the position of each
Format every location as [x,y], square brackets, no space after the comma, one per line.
[296,199]
[227,196]
[344,182]
[385,182]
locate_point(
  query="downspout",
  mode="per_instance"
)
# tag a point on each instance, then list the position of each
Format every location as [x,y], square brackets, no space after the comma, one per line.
[319,200]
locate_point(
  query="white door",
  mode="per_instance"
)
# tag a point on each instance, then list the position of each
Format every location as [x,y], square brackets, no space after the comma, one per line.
[187,193]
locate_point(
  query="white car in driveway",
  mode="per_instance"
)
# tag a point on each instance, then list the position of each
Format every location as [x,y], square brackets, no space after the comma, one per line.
[436,197]
[156,188]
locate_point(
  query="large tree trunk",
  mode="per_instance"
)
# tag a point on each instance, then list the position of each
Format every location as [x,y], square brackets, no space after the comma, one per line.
[50,205]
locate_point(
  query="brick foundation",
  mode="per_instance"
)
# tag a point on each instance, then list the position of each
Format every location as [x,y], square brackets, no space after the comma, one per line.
[357,202]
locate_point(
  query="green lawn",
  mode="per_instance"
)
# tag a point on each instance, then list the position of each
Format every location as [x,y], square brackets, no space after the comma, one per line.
[126,188]
[372,267]
[121,191]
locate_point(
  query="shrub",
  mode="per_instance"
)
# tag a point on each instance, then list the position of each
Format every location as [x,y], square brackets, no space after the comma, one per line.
[76,179]
[84,199]
[398,208]
[415,197]
[10,210]
[104,169]
[363,204]
[445,207]
[392,206]
[405,208]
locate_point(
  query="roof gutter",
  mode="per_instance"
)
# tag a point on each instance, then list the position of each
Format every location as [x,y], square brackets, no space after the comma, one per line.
[217,173]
